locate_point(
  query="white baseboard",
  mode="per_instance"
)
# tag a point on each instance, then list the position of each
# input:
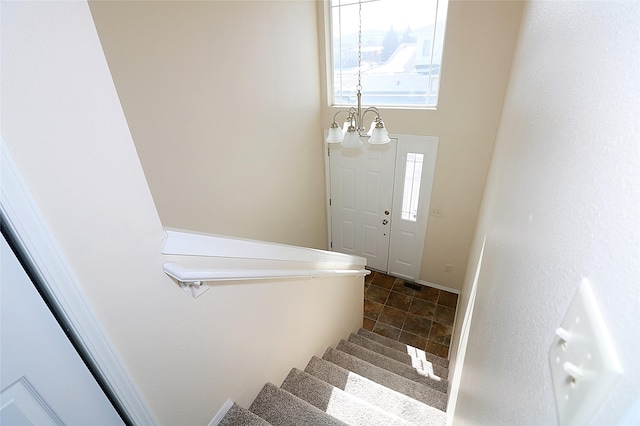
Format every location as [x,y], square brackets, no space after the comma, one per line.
[221,413]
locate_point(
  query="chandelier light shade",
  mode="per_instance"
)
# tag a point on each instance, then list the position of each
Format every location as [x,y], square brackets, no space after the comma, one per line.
[378,134]
[350,136]
[335,134]
[351,139]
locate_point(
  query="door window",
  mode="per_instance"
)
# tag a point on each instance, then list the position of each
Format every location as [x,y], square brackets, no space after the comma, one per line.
[411,191]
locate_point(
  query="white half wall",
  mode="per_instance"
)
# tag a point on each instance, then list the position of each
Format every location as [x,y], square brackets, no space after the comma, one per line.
[562,203]
[63,125]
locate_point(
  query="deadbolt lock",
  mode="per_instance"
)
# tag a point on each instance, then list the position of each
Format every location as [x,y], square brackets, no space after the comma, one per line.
[386,212]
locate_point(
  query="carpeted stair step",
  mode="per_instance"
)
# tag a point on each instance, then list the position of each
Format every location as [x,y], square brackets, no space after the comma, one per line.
[393,366]
[412,389]
[376,394]
[336,402]
[413,358]
[399,346]
[281,408]
[241,416]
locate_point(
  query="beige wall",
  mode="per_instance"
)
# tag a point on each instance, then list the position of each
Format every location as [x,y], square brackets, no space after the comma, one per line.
[222,99]
[199,81]
[562,203]
[479,42]
[64,126]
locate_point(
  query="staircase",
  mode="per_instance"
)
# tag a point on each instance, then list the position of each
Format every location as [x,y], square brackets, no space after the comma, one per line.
[366,380]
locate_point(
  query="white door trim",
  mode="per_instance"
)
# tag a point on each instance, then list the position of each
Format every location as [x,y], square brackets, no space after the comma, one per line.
[427,145]
[20,214]
[327,186]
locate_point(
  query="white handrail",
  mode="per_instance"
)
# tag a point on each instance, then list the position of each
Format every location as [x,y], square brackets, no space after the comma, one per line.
[192,275]
[192,279]
[267,260]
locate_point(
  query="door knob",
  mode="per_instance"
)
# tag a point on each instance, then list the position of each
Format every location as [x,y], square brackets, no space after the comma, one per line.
[385,221]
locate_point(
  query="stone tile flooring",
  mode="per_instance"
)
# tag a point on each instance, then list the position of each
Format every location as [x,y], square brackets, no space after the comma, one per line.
[421,318]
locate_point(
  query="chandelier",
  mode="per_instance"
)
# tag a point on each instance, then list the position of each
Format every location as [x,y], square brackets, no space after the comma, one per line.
[350,136]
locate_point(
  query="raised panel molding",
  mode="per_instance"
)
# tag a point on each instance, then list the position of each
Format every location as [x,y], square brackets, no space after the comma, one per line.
[20,404]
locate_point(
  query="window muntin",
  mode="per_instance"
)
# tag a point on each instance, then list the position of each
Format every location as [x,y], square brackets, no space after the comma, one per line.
[401,51]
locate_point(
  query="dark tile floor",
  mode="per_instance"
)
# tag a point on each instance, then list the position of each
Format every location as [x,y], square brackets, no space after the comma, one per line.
[420,318]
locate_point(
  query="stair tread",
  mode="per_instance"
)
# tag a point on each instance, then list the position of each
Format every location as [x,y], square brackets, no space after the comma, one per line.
[241,416]
[387,399]
[412,389]
[281,408]
[394,366]
[409,357]
[336,402]
[402,347]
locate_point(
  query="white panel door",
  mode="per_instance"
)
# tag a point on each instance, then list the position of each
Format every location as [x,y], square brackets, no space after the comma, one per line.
[415,167]
[361,187]
[43,380]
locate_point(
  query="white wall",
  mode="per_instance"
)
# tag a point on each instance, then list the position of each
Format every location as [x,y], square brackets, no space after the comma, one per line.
[562,202]
[65,128]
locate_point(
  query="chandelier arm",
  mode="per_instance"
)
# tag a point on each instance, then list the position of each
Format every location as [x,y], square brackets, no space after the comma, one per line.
[351,114]
[372,109]
[338,112]
[361,122]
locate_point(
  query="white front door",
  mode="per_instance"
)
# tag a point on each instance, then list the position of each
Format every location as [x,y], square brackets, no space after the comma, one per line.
[361,187]
[379,202]
[43,380]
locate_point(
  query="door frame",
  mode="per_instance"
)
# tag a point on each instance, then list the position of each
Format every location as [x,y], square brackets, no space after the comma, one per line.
[428,147]
[425,192]
[21,216]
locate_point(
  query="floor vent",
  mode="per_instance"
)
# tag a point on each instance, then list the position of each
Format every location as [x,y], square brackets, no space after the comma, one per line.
[413,286]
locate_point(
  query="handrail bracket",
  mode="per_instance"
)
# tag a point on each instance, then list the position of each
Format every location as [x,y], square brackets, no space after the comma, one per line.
[194,288]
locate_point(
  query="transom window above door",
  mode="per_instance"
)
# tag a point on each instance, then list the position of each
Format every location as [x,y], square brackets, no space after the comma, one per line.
[400,55]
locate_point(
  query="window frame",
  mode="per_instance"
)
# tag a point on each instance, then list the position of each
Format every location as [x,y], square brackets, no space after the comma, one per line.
[439,25]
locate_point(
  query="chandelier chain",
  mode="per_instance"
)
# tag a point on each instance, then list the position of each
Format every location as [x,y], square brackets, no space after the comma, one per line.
[350,137]
[359,45]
